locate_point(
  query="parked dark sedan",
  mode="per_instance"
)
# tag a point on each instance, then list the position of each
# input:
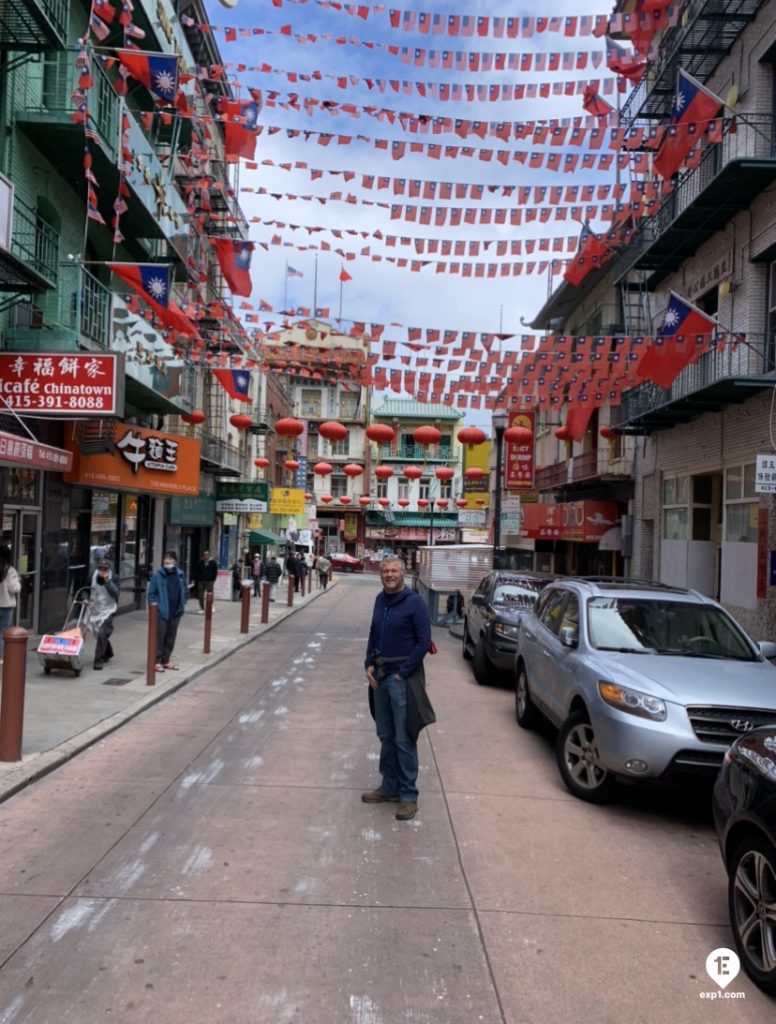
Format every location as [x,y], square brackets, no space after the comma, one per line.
[492,615]
[745,816]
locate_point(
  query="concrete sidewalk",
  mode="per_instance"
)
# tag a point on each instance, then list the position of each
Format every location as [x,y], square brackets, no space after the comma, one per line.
[63,714]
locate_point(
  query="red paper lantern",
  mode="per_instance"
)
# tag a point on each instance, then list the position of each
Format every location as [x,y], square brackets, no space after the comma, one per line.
[308,496]
[289,427]
[403,502]
[412,472]
[291,464]
[444,473]
[353,470]
[381,433]
[322,468]
[364,500]
[562,434]
[423,503]
[474,473]
[426,436]
[518,435]
[461,502]
[197,416]
[327,499]
[608,432]
[470,436]
[383,472]
[333,431]
[385,502]
[241,421]
[345,499]
[261,462]
[442,502]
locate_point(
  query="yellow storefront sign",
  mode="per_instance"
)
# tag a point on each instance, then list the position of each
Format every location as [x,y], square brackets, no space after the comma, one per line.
[286,501]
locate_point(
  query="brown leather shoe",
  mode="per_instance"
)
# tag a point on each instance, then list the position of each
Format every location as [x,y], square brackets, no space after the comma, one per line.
[376,796]
[406,811]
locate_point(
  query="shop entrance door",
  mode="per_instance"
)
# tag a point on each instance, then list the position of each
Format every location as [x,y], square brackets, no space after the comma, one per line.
[21,532]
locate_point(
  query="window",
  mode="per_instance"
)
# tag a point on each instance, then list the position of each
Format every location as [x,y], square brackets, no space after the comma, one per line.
[311,403]
[551,611]
[446,489]
[341,447]
[404,490]
[676,499]
[425,487]
[741,504]
[339,486]
[348,405]
[382,489]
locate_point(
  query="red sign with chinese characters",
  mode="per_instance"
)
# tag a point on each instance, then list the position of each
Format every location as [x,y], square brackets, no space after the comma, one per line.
[23,451]
[585,521]
[62,383]
[519,458]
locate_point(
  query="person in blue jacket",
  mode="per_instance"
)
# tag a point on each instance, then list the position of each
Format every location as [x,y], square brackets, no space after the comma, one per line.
[399,639]
[167,590]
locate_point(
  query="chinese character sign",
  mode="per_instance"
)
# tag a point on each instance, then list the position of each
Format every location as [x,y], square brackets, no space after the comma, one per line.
[62,383]
[142,460]
[519,458]
[765,474]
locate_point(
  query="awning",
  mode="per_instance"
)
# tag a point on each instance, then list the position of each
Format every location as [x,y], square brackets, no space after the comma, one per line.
[260,538]
[611,540]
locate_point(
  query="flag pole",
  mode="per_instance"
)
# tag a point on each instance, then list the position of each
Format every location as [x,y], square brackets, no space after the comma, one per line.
[315,285]
[285,289]
[341,283]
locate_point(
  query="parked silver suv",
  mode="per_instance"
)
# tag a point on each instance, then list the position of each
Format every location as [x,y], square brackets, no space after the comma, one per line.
[641,679]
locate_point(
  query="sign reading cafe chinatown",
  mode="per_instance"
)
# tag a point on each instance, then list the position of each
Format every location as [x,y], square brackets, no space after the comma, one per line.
[62,383]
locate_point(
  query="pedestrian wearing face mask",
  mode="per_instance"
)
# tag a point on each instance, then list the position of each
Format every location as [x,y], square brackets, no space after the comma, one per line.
[167,590]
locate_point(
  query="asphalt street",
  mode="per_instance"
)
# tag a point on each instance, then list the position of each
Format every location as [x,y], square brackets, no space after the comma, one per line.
[211,861]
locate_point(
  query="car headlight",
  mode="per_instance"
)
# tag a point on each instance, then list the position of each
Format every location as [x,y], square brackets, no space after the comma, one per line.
[632,701]
[502,629]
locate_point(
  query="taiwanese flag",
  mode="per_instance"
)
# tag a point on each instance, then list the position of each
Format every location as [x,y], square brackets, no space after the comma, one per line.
[591,253]
[152,283]
[235,383]
[577,419]
[622,62]
[240,127]
[234,258]
[674,347]
[693,105]
[157,71]
[594,103]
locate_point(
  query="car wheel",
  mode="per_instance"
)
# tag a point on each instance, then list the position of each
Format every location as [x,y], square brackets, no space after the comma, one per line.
[580,763]
[466,641]
[348,568]
[483,671]
[526,712]
[752,906]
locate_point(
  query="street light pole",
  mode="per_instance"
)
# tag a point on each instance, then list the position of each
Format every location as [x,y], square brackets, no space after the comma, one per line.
[500,420]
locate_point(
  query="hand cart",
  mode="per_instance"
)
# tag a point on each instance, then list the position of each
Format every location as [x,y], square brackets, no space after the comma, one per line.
[65,649]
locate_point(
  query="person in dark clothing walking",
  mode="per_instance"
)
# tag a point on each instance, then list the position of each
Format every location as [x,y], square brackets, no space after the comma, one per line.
[291,569]
[301,574]
[399,639]
[272,573]
[167,590]
[206,572]
[104,601]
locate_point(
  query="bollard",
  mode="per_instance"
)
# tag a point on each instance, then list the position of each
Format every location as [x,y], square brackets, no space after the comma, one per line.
[290,590]
[265,589]
[309,581]
[245,606]
[12,697]
[153,611]
[208,621]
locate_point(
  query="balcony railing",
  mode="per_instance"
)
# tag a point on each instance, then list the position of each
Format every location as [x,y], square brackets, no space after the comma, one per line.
[751,356]
[416,452]
[550,477]
[752,138]
[34,25]
[221,453]
[35,242]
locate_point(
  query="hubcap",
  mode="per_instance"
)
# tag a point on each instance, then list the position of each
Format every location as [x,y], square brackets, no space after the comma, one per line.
[754,910]
[582,758]
[522,696]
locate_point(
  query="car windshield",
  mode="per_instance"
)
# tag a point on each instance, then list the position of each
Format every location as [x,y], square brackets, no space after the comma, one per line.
[514,596]
[665,627]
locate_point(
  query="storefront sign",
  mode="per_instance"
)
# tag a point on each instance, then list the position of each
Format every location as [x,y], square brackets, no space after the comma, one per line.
[286,501]
[511,516]
[142,460]
[62,384]
[417,533]
[471,517]
[583,521]
[350,526]
[477,457]
[233,497]
[519,458]
[22,451]
[199,511]
[765,475]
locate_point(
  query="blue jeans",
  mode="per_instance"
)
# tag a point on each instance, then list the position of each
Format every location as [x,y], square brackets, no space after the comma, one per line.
[398,753]
[6,620]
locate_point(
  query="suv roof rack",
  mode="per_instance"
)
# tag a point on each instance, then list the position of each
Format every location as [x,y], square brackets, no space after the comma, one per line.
[634,581]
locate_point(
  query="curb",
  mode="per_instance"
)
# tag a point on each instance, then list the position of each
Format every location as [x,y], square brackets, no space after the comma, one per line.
[47,761]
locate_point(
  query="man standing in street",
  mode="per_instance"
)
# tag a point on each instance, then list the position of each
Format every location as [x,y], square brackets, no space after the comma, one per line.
[272,573]
[167,590]
[104,600]
[323,565]
[301,574]
[206,571]
[399,639]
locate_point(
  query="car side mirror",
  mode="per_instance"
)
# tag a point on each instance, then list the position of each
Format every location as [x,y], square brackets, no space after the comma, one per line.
[478,599]
[767,648]
[568,636]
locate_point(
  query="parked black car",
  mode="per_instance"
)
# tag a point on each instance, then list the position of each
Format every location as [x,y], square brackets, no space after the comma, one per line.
[745,816]
[492,615]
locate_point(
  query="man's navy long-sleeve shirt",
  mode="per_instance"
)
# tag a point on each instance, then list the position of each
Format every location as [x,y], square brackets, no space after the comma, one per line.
[400,628]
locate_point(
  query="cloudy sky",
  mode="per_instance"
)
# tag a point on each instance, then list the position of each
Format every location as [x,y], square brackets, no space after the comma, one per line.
[379,291]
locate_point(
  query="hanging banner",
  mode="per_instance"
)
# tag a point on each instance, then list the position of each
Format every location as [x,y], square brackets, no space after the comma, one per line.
[519,458]
[286,501]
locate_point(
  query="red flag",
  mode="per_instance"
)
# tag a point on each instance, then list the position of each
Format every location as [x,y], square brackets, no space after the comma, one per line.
[595,104]
[151,281]
[667,356]
[344,275]
[692,109]
[234,258]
